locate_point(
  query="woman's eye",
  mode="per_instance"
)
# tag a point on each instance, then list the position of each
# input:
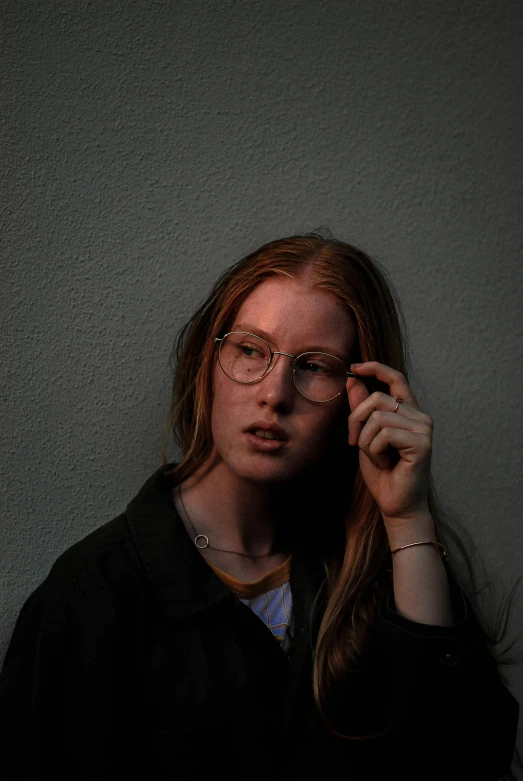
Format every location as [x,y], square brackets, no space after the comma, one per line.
[249,351]
[316,368]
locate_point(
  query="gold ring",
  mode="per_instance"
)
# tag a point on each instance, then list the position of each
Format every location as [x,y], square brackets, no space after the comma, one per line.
[397,400]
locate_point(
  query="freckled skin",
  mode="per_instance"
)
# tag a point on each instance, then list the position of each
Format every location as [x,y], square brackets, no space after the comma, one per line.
[297,317]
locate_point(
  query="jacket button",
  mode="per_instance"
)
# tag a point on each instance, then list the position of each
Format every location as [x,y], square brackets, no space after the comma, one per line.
[448,659]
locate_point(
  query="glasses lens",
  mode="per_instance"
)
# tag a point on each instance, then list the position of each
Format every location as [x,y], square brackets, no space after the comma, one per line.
[244,357]
[319,377]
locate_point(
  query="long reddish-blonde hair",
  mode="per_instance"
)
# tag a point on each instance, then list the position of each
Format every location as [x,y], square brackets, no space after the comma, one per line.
[358,576]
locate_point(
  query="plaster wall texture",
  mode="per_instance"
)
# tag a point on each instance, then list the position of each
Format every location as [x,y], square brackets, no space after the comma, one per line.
[149,145]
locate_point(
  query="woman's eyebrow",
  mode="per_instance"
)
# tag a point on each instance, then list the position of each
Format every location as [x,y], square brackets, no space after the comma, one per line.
[260,332]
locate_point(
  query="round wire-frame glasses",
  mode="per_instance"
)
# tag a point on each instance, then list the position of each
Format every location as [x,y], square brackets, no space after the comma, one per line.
[295,358]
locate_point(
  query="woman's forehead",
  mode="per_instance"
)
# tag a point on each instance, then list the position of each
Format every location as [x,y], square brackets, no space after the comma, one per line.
[281,308]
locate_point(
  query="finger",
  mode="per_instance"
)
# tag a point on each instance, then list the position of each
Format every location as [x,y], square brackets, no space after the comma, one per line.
[356,392]
[396,381]
[378,405]
[379,421]
[377,446]
[412,446]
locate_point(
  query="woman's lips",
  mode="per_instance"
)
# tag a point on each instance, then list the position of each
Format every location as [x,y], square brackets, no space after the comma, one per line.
[265,445]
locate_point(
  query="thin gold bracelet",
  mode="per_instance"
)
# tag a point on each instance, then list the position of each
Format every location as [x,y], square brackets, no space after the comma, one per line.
[428,542]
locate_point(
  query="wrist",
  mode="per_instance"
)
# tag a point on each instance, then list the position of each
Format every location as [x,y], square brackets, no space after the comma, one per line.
[421,529]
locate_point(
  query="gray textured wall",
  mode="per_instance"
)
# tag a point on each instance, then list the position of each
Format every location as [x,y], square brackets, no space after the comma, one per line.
[151,144]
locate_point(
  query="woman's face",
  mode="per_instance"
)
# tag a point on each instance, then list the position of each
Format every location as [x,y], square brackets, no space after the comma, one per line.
[294,319]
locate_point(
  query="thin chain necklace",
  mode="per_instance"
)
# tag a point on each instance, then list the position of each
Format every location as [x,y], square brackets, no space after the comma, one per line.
[205,539]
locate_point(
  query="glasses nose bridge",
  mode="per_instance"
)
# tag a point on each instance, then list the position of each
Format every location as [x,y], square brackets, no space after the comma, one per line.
[278,352]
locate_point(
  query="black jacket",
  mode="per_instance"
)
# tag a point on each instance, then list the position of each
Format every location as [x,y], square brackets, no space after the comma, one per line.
[133,660]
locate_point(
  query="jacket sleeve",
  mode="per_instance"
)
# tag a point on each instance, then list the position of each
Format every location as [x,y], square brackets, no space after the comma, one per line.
[66,696]
[449,709]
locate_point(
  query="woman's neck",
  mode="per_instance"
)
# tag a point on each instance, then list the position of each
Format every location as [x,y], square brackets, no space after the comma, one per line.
[234,514]
[255,518]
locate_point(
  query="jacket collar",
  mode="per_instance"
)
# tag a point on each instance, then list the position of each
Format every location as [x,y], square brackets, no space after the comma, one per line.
[182,581]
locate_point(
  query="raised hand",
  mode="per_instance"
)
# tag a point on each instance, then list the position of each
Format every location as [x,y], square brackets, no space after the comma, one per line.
[395,447]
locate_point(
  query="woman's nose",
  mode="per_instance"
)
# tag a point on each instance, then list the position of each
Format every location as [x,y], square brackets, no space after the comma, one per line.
[278,383]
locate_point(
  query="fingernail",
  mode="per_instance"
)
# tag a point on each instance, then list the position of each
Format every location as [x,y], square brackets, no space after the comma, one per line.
[355,365]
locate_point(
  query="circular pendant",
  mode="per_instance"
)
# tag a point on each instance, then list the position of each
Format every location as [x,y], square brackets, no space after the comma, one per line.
[202,536]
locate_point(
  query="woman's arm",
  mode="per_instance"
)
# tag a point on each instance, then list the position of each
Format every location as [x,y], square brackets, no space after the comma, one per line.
[421,588]
[450,711]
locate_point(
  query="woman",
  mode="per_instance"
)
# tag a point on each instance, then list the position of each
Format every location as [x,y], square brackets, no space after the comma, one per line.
[280,601]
